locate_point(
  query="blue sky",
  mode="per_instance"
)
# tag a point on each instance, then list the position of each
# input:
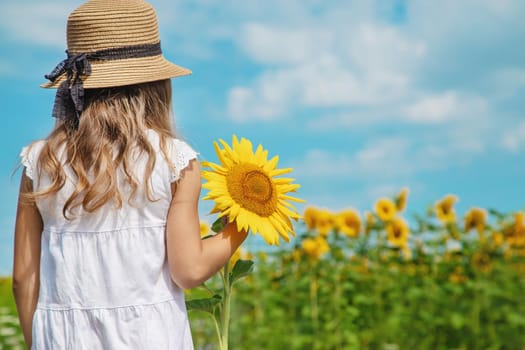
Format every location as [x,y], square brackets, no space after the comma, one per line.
[360,97]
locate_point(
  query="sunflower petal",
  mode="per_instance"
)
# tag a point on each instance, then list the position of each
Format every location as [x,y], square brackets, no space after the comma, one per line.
[277,172]
[271,164]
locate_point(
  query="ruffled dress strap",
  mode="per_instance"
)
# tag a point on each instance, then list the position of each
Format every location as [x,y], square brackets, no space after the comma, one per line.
[29,157]
[181,155]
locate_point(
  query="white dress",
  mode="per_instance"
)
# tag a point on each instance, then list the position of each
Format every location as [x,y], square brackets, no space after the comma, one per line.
[104,277]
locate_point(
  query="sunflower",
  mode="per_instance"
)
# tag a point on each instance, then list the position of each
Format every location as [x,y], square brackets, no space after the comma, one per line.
[497,238]
[240,254]
[397,232]
[401,199]
[204,229]
[245,189]
[235,257]
[476,218]
[310,217]
[315,247]
[348,222]
[406,252]
[444,209]
[325,222]
[385,209]
[458,275]
[481,261]
[515,232]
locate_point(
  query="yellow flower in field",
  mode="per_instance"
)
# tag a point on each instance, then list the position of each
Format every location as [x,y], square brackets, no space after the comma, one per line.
[406,251]
[497,238]
[445,209]
[458,276]
[385,209]
[296,255]
[349,222]
[515,233]
[401,199]
[369,222]
[240,254]
[397,232]
[204,228]
[262,256]
[476,218]
[519,223]
[325,222]
[310,217]
[235,257]
[315,247]
[245,189]
[246,255]
[481,261]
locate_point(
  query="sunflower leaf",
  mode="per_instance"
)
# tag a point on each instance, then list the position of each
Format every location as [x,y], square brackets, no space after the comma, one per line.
[206,304]
[499,215]
[217,225]
[241,269]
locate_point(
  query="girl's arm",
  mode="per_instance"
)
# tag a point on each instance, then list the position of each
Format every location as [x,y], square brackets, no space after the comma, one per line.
[26,265]
[192,260]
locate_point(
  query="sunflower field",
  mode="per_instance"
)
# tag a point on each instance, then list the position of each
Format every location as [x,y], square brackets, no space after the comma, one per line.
[380,279]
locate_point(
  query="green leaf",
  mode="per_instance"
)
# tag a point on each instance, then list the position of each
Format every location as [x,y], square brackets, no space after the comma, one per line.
[497,214]
[516,319]
[241,269]
[217,226]
[457,320]
[206,304]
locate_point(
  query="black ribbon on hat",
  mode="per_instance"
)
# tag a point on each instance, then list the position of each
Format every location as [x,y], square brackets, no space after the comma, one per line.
[69,99]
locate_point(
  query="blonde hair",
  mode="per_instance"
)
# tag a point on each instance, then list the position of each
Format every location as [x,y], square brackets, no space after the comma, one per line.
[113,124]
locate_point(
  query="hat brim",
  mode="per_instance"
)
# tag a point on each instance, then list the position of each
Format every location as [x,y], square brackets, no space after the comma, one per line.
[126,72]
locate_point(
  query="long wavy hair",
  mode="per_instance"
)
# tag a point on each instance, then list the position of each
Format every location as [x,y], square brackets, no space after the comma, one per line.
[113,124]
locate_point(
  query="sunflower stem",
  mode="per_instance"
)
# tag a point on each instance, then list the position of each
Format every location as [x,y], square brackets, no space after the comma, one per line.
[217,329]
[313,302]
[225,314]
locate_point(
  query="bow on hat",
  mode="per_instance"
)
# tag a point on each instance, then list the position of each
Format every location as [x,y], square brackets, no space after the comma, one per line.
[69,100]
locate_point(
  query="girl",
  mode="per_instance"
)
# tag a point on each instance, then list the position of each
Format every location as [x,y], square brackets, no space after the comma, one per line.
[107,227]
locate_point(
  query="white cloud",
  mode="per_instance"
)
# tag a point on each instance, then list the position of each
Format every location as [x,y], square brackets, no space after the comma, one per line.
[42,23]
[324,67]
[271,45]
[514,139]
[381,158]
[450,108]
[356,71]
[506,82]
[392,159]
[383,49]
[445,107]
[244,104]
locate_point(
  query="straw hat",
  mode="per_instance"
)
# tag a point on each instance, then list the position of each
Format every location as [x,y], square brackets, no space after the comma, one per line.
[120,40]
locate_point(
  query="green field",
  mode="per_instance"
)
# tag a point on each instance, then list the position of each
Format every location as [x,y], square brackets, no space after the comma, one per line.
[442,283]
[10,334]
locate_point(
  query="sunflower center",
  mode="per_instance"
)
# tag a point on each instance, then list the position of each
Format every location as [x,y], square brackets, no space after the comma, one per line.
[398,233]
[352,222]
[252,189]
